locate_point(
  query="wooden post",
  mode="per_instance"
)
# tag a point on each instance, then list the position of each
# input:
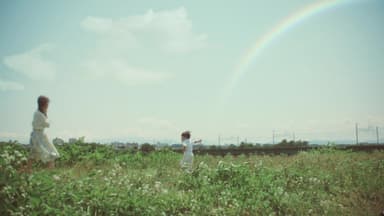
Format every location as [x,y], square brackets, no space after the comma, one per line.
[357,133]
[377,135]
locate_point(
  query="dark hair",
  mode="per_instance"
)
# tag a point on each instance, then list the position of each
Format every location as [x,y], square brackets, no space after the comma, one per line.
[42,101]
[186,134]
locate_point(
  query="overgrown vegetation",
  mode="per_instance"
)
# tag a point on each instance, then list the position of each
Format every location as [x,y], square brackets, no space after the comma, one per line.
[97,180]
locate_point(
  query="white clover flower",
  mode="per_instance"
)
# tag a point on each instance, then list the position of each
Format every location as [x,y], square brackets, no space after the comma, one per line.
[157,185]
[279,191]
[56,177]
[145,187]
[6,188]
[18,154]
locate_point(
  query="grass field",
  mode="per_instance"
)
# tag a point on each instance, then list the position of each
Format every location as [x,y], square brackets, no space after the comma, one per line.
[96,180]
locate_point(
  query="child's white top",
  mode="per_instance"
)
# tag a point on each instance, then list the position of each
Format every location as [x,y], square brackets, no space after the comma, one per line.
[40,121]
[189,148]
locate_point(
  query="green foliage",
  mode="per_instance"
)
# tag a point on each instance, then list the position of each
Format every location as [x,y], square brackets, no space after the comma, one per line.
[91,179]
[146,148]
[13,186]
[244,145]
[299,143]
[77,152]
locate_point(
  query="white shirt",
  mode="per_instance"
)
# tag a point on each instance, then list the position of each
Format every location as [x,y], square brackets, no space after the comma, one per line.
[40,121]
[189,148]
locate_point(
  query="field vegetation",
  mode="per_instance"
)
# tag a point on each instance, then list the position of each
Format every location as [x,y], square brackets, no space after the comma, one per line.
[92,179]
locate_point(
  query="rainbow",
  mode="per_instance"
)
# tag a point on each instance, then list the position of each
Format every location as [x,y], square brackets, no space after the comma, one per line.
[266,39]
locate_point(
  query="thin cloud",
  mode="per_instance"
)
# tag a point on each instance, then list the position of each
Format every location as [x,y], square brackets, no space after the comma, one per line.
[33,63]
[154,127]
[10,86]
[168,30]
[156,123]
[10,135]
[242,125]
[119,71]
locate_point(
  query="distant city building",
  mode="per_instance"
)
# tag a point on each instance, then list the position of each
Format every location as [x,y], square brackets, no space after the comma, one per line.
[161,145]
[72,140]
[75,140]
[176,146]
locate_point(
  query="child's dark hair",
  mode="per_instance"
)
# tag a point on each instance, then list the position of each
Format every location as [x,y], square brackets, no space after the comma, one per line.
[186,134]
[42,100]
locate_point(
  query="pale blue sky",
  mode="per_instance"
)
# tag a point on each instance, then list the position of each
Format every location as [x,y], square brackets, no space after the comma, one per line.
[147,70]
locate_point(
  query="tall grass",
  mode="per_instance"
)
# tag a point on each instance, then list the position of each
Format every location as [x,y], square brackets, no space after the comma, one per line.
[96,180]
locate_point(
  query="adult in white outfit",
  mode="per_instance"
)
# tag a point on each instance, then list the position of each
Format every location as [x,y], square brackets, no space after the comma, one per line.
[41,148]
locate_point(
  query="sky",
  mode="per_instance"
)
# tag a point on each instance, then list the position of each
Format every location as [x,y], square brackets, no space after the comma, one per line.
[123,70]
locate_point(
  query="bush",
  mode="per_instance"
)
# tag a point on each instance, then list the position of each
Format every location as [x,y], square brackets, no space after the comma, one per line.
[14,186]
[146,148]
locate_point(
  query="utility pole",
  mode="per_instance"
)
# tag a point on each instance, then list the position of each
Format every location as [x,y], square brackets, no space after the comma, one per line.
[219,140]
[237,141]
[357,133]
[294,138]
[377,135]
[273,137]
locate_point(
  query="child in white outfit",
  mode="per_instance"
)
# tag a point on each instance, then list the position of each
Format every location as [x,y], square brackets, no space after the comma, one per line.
[187,161]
